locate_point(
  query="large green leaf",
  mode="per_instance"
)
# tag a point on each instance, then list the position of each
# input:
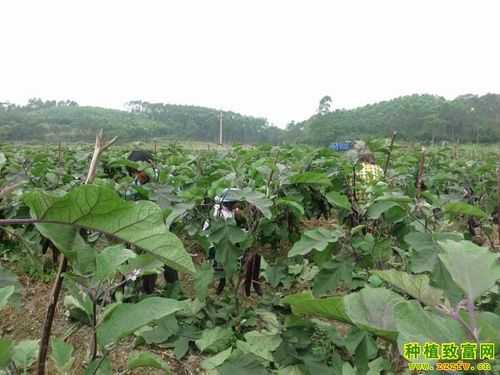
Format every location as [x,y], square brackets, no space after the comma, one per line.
[147,360]
[228,231]
[373,309]
[414,324]
[5,294]
[216,360]
[109,259]
[295,207]
[256,199]
[25,353]
[166,328]
[416,286]
[488,324]
[394,197]
[147,263]
[313,178]
[177,211]
[338,199]
[473,268]
[3,160]
[215,339]
[462,208]
[261,344]
[317,238]
[202,281]
[291,370]
[489,327]
[245,364]
[100,208]
[7,279]
[6,351]
[329,279]
[99,367]
[441,279]
[62,355]
[305,304]
[126,318]
[426,249]
[378,208]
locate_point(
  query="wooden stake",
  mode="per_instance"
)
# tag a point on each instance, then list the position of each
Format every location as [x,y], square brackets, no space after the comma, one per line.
[49,318]
[100,147]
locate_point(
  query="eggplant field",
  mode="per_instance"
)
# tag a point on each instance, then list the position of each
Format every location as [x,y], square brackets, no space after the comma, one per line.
[249,260]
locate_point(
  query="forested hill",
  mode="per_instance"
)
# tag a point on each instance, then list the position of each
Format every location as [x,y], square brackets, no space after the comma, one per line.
[468,118]
[51,121]
[201,123]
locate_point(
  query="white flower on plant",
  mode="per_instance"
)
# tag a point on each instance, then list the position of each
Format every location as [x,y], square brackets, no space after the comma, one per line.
[134,274]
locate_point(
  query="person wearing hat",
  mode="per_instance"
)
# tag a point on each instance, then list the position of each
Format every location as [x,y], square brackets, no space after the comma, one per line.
[227,206]
[368,173]
[141,178]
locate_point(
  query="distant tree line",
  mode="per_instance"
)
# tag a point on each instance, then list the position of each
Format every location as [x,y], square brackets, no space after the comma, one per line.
[428,118]
[50,121]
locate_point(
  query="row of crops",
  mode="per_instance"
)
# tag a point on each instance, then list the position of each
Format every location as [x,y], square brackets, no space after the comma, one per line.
[347,284]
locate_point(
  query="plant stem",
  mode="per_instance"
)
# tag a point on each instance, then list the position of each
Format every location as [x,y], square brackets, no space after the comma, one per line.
[387,160]
[420,174]
[99,364]
[49,319]
[93,347]
[472,318]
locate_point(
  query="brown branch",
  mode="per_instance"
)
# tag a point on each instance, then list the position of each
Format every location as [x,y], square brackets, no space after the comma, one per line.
[93,344]
[49,319]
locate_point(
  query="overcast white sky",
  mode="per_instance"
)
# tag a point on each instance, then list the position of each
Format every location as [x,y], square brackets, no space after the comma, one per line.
[274,59]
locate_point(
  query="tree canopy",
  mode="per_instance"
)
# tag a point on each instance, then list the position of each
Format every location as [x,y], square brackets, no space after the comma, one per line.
[65,120]
[468,118]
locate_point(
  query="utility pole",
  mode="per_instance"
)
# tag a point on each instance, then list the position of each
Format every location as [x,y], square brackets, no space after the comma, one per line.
[220,128]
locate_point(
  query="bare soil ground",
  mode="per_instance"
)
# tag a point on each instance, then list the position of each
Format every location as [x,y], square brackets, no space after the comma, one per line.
[25,322]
